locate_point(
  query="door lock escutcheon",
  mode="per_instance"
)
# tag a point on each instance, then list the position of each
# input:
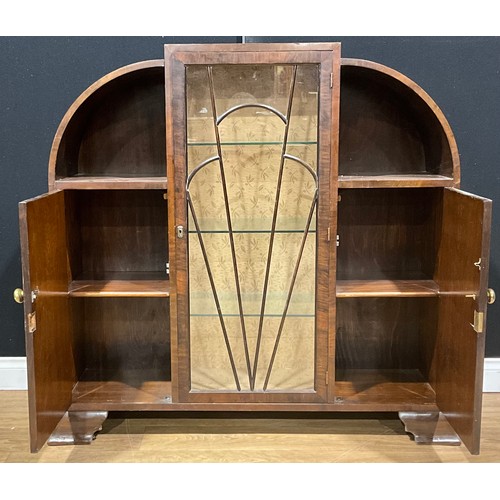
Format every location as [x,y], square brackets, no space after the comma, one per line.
[180,232]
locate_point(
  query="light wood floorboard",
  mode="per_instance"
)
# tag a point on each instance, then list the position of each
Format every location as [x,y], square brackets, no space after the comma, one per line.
[181,438]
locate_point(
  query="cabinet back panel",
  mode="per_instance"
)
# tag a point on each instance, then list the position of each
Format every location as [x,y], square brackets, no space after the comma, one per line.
[381,333]
[386,129]
[119,130]
[122,335]
[387,233]
[121,231]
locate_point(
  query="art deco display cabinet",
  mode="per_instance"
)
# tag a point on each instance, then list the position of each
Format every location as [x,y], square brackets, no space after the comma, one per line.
[255,227]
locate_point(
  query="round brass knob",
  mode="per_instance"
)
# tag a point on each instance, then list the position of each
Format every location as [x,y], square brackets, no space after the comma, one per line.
[19,295]
[492,296]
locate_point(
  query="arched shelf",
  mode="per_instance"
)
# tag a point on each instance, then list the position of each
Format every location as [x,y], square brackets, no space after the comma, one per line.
[113,135]
[392,133]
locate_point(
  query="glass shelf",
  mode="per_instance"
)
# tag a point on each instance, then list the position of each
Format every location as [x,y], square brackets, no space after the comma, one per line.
[301,305]
[254,143]
[251,231]
[250,226]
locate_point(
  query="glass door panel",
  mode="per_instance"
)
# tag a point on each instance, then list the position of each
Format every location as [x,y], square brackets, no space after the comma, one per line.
[252,193]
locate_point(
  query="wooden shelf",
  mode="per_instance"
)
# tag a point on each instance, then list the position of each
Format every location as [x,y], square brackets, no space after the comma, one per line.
[122,391]
[386,387]
[122,285]
[386,288]
[83,182]
[394,181]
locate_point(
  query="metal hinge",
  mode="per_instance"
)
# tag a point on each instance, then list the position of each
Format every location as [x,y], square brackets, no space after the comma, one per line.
[338,240]
[167,267]
[32,322]
[331,80]
[478,322]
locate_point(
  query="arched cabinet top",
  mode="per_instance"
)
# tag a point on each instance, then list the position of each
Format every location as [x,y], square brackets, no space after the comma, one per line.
[101,109]
[391,130]
[390,125]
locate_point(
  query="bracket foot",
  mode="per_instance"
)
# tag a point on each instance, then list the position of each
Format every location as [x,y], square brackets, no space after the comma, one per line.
[77,427]
[429,428]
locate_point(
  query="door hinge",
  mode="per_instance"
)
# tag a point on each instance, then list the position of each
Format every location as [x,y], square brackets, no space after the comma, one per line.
[331,80]
[32,322]
[338,240]
[167,267]
[478,322]
[326,378]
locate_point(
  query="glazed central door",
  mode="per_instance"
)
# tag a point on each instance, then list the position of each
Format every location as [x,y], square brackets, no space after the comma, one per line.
[252,233]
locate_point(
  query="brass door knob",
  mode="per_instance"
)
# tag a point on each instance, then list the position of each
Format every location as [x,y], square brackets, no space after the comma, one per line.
[492,296]
[19,295]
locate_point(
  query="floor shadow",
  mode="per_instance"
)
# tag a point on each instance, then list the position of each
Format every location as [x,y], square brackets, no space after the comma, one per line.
[253,423]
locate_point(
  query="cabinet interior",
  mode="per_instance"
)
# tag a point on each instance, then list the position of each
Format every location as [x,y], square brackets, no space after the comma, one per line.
[386,129]
[119,289]
[387,293]
[119,131]
[119,234]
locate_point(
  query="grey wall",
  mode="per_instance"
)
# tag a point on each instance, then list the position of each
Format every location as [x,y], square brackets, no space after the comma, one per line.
[41,77]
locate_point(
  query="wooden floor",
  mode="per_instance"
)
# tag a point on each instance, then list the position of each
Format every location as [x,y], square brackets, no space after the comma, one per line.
[372,438]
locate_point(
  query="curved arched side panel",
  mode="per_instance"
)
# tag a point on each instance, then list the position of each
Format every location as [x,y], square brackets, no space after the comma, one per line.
[117,123]
[390,126]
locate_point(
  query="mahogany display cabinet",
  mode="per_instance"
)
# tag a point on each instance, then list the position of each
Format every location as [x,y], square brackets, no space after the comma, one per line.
[262,227]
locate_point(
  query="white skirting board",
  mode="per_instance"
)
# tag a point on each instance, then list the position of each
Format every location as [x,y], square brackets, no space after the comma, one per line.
[491,375]
[13,374]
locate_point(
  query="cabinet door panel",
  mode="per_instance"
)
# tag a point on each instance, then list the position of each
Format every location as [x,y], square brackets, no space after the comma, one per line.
[45,261]
[462,275]
[252,174]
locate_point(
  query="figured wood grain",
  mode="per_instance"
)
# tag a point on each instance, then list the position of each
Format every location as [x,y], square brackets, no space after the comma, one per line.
[457,349]
[387,234]
[110,182]
[394,181]
[130,389]
[126,333]
[379,332]
[334,202]
[122,285]
[49,349]
[382,386]
[386,288]
[123,231]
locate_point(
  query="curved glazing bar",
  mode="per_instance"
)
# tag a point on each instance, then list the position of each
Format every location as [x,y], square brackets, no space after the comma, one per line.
[283,118]
[198,168]
[304,164]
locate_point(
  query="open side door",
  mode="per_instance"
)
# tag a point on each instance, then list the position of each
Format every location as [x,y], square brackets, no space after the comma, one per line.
[46,273]
[462,276]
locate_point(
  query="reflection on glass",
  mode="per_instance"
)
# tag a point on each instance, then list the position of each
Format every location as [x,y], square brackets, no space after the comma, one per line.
[252,222]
